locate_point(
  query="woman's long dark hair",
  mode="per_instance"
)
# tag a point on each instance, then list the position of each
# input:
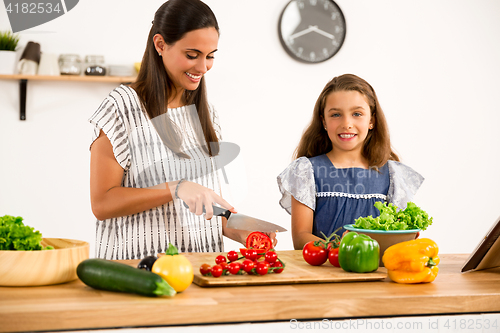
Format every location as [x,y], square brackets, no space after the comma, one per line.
[172,21]
[377,146]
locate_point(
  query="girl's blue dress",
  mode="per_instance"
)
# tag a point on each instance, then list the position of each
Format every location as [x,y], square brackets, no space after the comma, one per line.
[339,196]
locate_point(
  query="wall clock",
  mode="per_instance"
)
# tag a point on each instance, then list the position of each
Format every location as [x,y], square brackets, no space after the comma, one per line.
[312,31]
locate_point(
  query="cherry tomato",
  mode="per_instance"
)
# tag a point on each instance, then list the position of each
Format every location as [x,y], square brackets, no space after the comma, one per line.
[216,271]
[247,265]
[224,265]
[277,264]
[314,253]
[262,268]
[260,241]
[220,259]
[232,256]
[333,257]
[205,269]
[271,257]
[234,267]
[251,254]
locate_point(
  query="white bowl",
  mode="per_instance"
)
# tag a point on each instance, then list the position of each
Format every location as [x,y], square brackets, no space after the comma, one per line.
[45,267]
[386,238]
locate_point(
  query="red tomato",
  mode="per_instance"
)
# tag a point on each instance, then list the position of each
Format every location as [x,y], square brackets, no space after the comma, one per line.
[224,265]
[247,265]
[277,264]
[251,254]
[216,271]
[314,253]
[333,257]
[205,269]
[260,241]
[234,267]
[262,268]
[271,257]
[232,256]
[220,259]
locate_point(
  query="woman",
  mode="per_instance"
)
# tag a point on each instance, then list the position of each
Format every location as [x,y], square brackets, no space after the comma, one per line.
[155,144]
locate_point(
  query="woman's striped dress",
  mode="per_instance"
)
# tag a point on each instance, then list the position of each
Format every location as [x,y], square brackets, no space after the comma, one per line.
[148,162]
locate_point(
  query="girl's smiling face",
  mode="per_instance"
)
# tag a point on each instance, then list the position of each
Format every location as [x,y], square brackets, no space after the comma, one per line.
[187,60]
[347,119]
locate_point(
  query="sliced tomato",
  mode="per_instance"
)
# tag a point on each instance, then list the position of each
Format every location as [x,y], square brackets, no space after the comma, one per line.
[259,241]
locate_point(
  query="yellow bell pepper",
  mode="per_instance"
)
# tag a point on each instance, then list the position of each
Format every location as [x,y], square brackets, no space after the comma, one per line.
[412,261]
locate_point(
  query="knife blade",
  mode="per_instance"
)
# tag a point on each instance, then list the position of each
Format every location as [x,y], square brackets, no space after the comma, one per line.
[244,222]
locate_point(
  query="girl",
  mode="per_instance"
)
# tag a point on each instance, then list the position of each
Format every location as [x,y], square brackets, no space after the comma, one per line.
[155,144]
[344,163]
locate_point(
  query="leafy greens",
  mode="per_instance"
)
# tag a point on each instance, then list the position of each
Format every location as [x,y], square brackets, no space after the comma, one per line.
[14,235]
[412,217]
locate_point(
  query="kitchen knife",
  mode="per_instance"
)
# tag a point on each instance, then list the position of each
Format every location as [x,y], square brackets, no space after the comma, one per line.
[244,222]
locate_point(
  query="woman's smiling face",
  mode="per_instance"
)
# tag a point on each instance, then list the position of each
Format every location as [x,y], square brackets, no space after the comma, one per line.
[347,119]
[187,60]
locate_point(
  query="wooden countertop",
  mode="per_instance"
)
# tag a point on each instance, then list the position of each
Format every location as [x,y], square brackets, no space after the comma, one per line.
[76,306]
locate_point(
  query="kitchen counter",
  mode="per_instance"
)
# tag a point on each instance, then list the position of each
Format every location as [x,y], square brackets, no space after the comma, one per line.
[75,306]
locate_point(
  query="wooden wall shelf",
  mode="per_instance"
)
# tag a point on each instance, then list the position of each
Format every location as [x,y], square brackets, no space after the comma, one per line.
[23,83]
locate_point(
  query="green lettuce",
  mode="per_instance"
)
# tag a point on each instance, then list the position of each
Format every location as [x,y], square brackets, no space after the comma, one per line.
[412,217]
[14,235]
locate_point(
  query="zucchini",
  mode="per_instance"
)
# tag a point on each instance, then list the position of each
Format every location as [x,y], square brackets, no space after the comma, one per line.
[114,276]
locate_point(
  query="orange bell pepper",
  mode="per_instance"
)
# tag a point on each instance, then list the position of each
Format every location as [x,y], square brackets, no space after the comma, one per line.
[413,261]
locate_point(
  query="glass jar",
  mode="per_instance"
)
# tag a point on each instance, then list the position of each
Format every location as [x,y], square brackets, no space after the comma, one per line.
[70,64]
[95,65]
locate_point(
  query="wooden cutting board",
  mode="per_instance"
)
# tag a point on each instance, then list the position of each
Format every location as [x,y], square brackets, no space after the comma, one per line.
[296,271]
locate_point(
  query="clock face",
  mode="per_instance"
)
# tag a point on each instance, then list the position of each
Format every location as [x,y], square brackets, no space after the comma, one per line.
[312,30]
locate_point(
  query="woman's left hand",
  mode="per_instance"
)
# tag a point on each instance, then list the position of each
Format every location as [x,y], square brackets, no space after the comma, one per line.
[272,235]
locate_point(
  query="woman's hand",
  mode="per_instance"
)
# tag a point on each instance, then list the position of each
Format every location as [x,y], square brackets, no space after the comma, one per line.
[272,235]
[240,236]
[198,197]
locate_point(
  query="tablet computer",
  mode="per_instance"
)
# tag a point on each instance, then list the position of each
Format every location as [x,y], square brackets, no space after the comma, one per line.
[487,253]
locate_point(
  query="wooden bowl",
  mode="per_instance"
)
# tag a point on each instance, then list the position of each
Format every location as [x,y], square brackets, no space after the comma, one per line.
[386,238]
[40,268]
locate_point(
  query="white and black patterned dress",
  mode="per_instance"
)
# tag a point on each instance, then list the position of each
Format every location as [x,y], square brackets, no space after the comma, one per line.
[339,196]
[148,162]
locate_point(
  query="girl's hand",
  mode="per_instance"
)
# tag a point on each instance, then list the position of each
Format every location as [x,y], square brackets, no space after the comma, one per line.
[198,197]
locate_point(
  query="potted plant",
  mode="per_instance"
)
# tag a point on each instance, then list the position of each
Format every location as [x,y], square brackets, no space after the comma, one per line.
[8,45]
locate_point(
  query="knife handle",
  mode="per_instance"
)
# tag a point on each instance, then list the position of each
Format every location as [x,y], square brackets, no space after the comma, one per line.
[218,211]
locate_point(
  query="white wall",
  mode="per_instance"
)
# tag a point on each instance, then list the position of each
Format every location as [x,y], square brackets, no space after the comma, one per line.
[434,65]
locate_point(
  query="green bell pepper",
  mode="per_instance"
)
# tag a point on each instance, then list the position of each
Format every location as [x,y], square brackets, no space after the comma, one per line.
[358,253]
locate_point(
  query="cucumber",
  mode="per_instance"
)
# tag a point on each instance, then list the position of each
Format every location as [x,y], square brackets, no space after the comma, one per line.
[114,276]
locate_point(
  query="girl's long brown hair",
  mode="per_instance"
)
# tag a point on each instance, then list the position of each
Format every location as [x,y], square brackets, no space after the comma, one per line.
[172,21]
[377,146]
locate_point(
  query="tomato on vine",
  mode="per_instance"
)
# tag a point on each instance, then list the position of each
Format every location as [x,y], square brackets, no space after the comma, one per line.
[220,259]
[248,265]
[277,264]
[262,267]
[205,269]
[234,267]
[232,256]
[333,257]
[315,253]
[271,257]
[216,271]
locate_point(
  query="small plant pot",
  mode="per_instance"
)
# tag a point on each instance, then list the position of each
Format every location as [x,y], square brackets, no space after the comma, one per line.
[7,62]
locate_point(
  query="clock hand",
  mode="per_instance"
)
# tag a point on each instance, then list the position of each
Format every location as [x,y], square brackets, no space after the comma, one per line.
[321,32]
[303,32]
